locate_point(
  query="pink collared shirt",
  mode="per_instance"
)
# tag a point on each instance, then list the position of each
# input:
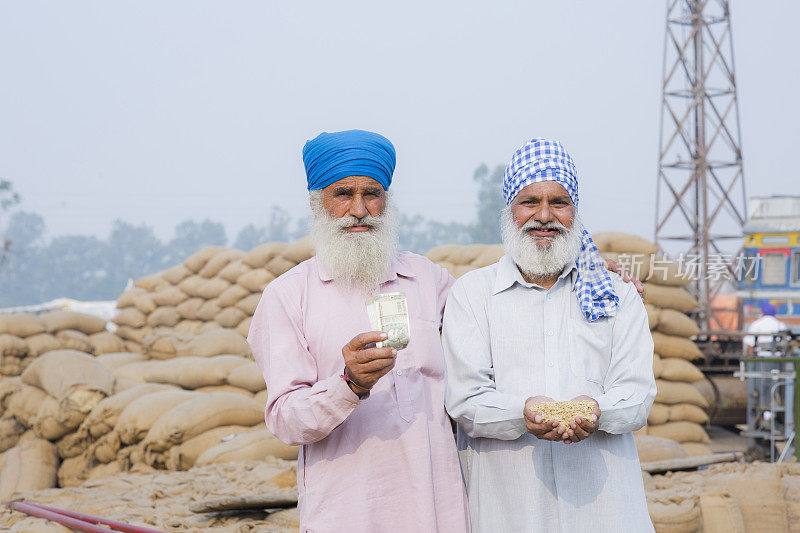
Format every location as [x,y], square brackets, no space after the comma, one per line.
[387,462]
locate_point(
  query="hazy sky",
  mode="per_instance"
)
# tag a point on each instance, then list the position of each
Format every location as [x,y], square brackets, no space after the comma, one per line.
[156,112]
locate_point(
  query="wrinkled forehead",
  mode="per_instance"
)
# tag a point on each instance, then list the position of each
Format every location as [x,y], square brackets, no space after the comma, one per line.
[543,190]
[355,184]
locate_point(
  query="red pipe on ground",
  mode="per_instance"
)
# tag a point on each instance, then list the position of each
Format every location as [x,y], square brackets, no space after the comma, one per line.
[80,521]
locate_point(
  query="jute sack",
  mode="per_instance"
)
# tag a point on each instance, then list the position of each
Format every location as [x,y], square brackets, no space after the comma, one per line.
[188,326]
[258,278]
[438,254]
[491,254]
[164,344]
[672,392]
[208,326]
[688,413]
[299,251]
[71,339]
[791,500]
[286,518]
[676,369]
[105,449]
[106,342]
[75,470]
[220,261]
[12,346]
[255,445]
[54,419]
[230,317]
[759,494]
[201,414]
[658,365]
[233,270]
[75,379]
[696,449]
[225,388]
[682,517]
[198,260]
[130,316]
[212,288]
[29,466]
[652,448]
[191,285]
[58,320]
[278,266]
[680,432]
[659,414]
[671,322]
[243,328]
[263,254]
[192,372]
[664,297]
[176,274]
[287,478]
[672,346]
[10,432]
[466,254]
[261,397]
[653,313]
[249,303]
[666,272]
[42,343]
[721,513]
[105,414]
[208,310]
[613,241]
[216,342]
[232,294]
[638,265]
[21,325]
[182,457]
[126,298]
[136,335]
[247,376]
[163,316]
[169,297]
[144,303]
[139,416]
[117,359]
[152,283]
[136,371]
[24,404]
[188,309]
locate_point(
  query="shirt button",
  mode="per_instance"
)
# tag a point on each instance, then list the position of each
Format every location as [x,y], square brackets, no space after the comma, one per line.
[549,296]
[550,332]
[399,372]
[550,363]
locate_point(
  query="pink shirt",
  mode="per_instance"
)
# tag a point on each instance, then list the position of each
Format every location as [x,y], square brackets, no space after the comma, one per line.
[387,462]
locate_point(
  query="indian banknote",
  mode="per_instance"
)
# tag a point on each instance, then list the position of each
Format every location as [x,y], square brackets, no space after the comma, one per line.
[389,312]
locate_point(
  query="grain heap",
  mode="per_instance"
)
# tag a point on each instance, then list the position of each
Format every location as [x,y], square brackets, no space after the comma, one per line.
[563,412]
[214,288]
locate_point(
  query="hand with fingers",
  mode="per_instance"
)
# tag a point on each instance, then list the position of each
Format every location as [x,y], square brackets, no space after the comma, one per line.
[536,426]
[581,428]
[364,363]
[627,277]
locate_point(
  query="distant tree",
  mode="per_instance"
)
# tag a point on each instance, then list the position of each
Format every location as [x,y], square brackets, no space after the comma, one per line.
[486,228]
[76,268]
[132,252]
[190,236]
[279,229]
[8,199]
[249,237]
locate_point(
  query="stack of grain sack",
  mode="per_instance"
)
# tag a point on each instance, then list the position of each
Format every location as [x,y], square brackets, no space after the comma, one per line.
[678,412]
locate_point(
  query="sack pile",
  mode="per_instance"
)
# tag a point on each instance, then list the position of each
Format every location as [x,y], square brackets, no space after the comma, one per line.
[215,288]
[24,337]
[459,259]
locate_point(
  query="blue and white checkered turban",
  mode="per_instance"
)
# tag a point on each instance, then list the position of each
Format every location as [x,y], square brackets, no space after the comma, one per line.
[544,160]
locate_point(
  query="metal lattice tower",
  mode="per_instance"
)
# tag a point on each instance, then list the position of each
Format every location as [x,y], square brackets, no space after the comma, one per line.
[700,200]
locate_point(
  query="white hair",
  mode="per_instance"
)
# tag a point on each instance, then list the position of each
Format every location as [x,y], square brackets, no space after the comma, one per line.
[358,260]
[538,261]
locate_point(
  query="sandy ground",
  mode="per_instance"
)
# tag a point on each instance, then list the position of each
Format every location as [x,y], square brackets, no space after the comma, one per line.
[161,499]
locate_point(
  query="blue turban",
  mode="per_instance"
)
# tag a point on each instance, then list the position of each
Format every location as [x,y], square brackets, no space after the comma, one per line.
[333,156]
[767,309]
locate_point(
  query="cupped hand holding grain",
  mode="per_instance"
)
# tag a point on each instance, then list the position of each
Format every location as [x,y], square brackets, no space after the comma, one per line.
[582,427]
[537,425]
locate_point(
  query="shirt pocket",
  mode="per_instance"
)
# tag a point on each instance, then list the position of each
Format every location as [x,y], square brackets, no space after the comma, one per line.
[589,349]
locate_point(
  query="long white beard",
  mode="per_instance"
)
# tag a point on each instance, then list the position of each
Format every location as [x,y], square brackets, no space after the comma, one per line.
[357,260]
[537,261]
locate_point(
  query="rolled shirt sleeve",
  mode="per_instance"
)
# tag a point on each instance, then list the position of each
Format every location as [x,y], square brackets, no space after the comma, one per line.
[629,385]
[471,395]
[301,408]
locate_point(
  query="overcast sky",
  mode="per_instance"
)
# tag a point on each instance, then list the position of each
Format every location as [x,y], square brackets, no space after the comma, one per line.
[156,112]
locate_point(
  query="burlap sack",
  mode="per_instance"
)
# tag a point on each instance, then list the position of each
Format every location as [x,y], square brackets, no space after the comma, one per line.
[243,328]
[198,260]
[638,265]
[759,494]
[192,372]
[201,414]
[230,317]
[214,265]
[138,416]
[126,298]
[208,310]
[659,414]
[299,251]
[133,347]
[671,322]
[441,253]
[261,397]
[658,365]
[663,271]
[287,478]
[790,485]
[75,379]
[145,303]
[130,316]
[58,320]
[613,241]
[165,344]
[136,335]
[152,283]
[277,267]
[191,285]
[169,297]
[54,420]
[10,432]
[258,278]
[247,376]
[254,445]
[183,456]
[105,414]
[232,294]
[490,255]
[106,448]
[42,343]
[176,274]
[680,432]
[676,369]
[233,270]
[71,339]
[216,342]
[115,360]
[653,313]
[696,449]
[671,346]
[211,325]
[652,449]
[24,404]
[466,254]
[688,413]
[212,288]
[29,466]
[669,297]
[12,346]
[263,253]
[163,316]
[681,517]
[672,392]
[286,518]
[225,388]
[21,325]
[75,470]
[460,270]
[188,326]
[188,309]
[721,513]
[106,342]
[248,304]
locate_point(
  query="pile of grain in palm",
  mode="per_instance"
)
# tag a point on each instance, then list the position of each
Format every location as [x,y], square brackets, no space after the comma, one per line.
[214,288]
[24,337]
[726,498]
[679,409]
[563,412]
[161,500]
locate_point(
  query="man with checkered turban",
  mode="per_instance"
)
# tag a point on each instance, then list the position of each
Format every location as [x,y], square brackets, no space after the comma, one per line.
[548,323]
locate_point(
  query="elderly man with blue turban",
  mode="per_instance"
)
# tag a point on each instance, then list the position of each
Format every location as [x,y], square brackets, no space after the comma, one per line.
[548,323]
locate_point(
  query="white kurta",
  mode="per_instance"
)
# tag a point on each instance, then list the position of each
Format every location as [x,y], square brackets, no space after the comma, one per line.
[506,340]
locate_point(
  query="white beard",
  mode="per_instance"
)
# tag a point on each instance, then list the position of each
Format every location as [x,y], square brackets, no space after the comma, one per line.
[537,261]
[356,260]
